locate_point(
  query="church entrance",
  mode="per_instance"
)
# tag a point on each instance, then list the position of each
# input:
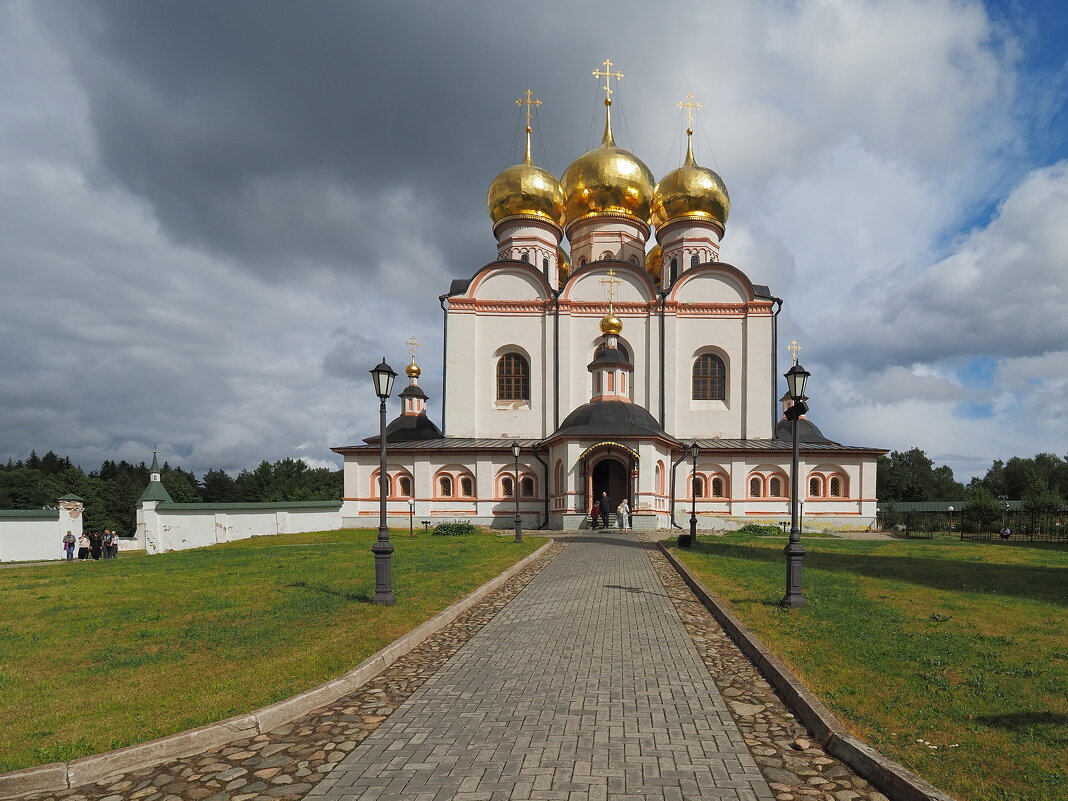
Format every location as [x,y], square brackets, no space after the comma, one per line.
[612,476]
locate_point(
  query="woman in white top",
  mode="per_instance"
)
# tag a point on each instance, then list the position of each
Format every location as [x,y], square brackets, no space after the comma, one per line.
[623,515]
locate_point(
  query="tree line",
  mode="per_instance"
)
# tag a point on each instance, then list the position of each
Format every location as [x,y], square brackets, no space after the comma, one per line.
[111,492]
[1039,482]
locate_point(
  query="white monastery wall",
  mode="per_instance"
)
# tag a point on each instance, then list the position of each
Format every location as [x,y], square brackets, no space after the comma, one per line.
[36,535]
[180,526]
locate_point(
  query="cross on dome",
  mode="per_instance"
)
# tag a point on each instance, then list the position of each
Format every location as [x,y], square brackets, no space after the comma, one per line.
[689,105]
[412,370]
[608,75]
[413,345]
[611,282]
[528,101]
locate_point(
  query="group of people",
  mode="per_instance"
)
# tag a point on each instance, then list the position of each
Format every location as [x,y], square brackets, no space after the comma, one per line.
[602,507]
[92,545]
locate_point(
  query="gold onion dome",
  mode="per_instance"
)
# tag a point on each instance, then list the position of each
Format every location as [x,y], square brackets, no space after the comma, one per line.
[690,192]
[654,262]
[526,190]
[412,370]
[564,263]
[610,324]
[607,179]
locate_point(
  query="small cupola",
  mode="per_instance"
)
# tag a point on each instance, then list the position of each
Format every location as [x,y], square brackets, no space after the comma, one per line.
[610,367]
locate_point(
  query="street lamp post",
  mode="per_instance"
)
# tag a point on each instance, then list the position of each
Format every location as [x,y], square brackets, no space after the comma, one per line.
[411,517]
[796,378]
[694,451]
[383,376]
[515,493]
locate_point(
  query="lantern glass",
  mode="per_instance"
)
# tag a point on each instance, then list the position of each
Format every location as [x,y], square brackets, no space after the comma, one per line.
[383,376]
[796,379]
[515,450]
[694,450]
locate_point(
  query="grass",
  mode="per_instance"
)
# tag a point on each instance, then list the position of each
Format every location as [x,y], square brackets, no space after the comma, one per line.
[99,655]
[950,657]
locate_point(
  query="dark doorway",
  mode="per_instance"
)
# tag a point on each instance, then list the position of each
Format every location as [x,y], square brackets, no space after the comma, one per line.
[610,475]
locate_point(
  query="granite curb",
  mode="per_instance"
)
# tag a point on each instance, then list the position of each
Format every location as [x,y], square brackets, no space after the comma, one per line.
[894,779]
[59,776]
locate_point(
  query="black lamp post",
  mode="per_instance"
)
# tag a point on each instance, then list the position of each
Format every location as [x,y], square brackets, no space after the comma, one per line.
[796,378]
[411,517]
[383,376]
[515,493]
[686,540]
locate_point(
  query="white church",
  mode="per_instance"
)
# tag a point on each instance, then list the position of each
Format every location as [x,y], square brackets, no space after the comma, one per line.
[604,359]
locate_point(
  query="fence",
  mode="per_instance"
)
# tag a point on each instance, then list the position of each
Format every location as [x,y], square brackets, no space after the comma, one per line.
[980,524]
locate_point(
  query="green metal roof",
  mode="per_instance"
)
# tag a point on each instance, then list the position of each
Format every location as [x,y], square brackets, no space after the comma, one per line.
[71,497]
[38,514]
[155,491]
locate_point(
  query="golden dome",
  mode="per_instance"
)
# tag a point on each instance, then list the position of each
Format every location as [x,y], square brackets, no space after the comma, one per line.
[564,263]
[607,179]
[654,262]
[690,192]
[525,190]
[412,370]
[610,324]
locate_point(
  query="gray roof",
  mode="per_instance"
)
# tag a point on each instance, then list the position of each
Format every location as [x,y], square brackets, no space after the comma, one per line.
[448,443]
[610,418]
[722,445]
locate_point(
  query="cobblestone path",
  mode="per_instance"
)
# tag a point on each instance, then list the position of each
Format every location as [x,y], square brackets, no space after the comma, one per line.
[586,686]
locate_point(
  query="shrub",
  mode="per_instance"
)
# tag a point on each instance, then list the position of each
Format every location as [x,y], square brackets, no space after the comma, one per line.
[454,529]
[760,531]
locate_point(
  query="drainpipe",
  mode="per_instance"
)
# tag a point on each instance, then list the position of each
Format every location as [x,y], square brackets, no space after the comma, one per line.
[663,301]
[444,357]
[675,464]
[775,365]
[556,362]
[544,464]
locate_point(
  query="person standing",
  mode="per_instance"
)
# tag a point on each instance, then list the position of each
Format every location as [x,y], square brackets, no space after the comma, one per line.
[105,544]
[606,507]
[114,544]
[595,513]
[623,516]
[68,544]
[83,547]
[95,545]
[111,544]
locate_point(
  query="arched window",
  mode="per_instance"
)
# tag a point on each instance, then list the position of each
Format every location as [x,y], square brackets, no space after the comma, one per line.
[633,259]
[717,488]
[659,478]
[698,487]
[507,487]
[836,487]
[693,260]
[559,477]
[445,487]
[545,265]
[754,487]
[513,377]
[404,486]
[814,488]
[606,255]
[709,378]
[467,487]
[582,261]
[674,270]
[526,487]
[526,256]
[775,488]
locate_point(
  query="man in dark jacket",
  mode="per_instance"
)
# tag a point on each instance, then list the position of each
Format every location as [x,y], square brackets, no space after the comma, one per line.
[606,505]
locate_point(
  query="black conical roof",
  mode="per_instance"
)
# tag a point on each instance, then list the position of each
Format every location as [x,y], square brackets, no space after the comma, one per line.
[408,428]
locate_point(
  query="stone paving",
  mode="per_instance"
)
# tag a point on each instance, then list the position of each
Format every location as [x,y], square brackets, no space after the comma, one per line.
[585,678]
[586,686]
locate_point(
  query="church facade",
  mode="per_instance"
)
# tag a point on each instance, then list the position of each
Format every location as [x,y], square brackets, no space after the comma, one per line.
[604,357]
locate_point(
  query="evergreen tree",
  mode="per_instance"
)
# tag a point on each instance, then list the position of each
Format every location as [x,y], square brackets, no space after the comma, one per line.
[219,487]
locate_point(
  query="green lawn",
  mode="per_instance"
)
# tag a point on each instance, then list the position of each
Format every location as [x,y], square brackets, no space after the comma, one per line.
[949,657]
[99,655]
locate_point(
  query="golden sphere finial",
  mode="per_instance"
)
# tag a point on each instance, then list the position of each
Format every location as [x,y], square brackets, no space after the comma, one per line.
[413,371]
[610,324]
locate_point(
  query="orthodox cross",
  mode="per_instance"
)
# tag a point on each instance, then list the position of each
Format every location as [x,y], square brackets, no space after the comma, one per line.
[611,282]
[528,101]
[413,345]
[608,75]
[689,105]
[793,347]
